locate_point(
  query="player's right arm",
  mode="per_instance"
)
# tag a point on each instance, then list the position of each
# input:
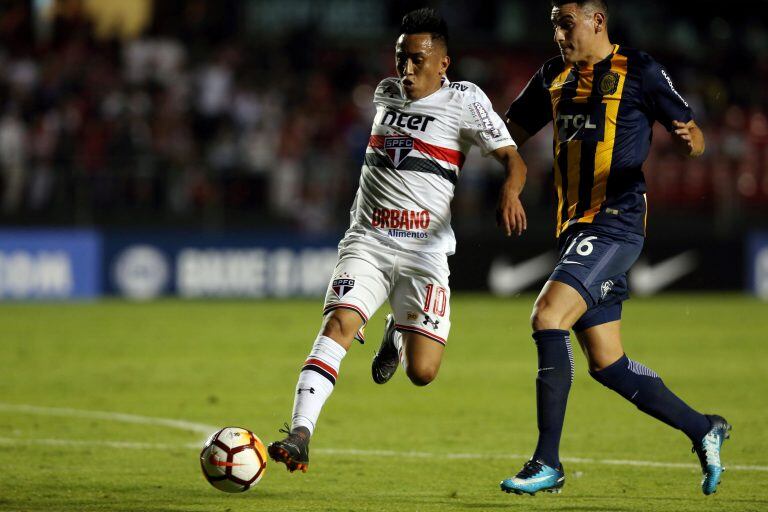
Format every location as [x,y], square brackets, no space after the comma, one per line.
[531,110]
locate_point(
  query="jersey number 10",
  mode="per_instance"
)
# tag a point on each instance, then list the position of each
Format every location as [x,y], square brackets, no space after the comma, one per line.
[440,302]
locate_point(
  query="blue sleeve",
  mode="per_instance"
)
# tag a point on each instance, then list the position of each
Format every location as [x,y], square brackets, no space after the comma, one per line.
[661,98]
[532,110]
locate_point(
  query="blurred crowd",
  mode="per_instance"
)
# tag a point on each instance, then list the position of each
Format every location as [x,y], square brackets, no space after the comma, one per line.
[193,125]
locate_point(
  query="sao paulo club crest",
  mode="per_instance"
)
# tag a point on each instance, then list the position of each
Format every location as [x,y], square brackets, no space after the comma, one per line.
[342,284]
[398,147]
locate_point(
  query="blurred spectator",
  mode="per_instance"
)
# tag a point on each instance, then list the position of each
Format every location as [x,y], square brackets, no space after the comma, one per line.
[235,112]
[13,159]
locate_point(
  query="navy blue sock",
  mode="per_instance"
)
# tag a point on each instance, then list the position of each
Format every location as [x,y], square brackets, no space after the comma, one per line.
[641,386]
[553,383]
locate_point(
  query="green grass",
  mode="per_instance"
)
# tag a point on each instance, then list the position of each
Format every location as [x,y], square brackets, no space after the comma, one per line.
[236,363]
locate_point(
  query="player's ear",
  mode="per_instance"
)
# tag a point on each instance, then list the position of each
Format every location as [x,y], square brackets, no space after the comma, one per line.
[444,63]
[599,21]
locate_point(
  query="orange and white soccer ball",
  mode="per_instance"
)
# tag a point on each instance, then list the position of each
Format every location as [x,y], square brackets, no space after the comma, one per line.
[233,459]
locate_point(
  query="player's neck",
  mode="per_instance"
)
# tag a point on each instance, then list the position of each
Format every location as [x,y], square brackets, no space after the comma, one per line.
[600,53]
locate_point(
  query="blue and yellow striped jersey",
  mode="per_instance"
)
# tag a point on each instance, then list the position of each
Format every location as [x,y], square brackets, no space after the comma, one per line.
[602,132]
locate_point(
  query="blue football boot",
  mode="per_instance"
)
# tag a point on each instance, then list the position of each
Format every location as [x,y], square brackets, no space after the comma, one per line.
[708,451]
[534,477]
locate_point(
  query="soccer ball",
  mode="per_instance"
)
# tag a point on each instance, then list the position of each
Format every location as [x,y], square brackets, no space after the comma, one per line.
[233,459]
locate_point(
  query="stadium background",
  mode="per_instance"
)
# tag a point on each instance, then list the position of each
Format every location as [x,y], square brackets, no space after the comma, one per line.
[205,148]
[210,150]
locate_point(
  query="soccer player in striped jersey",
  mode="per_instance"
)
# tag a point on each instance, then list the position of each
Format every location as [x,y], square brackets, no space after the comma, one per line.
[603,99]
[400,232]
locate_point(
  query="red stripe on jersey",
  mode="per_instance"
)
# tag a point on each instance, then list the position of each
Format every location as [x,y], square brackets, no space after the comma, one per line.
[322,365]
[376,141]
[452,156]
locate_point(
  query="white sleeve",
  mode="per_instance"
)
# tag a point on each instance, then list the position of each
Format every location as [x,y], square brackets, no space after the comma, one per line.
[481,126]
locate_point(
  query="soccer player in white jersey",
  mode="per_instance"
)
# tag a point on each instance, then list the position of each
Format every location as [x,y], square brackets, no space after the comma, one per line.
[400,232]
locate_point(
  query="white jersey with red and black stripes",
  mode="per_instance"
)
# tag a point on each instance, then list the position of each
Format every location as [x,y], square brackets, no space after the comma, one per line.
[413,161]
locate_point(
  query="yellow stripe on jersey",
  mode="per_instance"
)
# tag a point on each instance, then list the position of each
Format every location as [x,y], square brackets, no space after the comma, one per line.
[604,153]
[574,177]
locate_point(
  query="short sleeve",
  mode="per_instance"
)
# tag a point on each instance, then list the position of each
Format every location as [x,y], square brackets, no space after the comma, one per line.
[481,126]
[661,98]
[532,109]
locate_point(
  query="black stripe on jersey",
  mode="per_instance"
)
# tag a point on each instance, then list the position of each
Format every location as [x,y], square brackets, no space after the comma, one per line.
[568,93]
[315,368]
[589,147]
[412,163]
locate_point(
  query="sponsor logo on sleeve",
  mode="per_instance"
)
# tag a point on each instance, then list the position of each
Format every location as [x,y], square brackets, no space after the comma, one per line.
[671,86]
[482,117]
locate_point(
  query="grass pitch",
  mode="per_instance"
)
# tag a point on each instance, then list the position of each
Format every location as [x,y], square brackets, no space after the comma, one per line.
[377,448]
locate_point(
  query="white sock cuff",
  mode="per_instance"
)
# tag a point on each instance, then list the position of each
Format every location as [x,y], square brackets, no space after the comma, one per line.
[326,347]
[299,420]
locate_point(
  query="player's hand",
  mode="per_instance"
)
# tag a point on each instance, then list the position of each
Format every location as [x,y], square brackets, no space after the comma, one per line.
[510,214]
[684,137]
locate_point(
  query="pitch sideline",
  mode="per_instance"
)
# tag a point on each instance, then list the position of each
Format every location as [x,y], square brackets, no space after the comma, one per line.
[200,428]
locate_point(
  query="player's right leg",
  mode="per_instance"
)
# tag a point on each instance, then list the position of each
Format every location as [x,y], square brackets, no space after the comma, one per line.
[359,285]
[586,254]
[556,309]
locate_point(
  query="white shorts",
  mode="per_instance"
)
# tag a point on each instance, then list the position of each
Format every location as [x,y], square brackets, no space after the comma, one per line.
[416,285]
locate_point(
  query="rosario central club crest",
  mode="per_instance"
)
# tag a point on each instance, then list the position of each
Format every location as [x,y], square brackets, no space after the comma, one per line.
[342,284]
[398,147]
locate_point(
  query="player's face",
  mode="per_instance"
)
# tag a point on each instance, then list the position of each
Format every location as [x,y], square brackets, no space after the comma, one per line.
[574,32]
[421,64]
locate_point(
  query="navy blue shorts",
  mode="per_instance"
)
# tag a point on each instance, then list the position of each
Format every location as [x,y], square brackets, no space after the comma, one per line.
[594,260]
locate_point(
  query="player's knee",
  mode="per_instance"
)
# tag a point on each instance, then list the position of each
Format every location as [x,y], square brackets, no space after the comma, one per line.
[545,317]
[338,328]
[598,361]
[421,374]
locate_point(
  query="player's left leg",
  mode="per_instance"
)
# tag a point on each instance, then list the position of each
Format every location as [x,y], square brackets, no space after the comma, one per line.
[422,357]
[609,365]
[416,332]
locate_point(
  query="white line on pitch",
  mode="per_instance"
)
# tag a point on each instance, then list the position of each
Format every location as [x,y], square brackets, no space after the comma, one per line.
[108,416]
[127,445]
[207,429]
[122,445]
[506,456]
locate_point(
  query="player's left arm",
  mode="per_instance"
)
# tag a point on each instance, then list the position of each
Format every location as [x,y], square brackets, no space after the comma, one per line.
[672,110]
[481,126]
[689,138]
[510,214]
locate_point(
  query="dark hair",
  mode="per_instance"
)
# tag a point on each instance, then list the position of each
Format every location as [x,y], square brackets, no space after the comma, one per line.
[600,4]
[425,21]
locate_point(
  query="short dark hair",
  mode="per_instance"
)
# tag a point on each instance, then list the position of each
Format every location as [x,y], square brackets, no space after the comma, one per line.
[600,4]
[425,21]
